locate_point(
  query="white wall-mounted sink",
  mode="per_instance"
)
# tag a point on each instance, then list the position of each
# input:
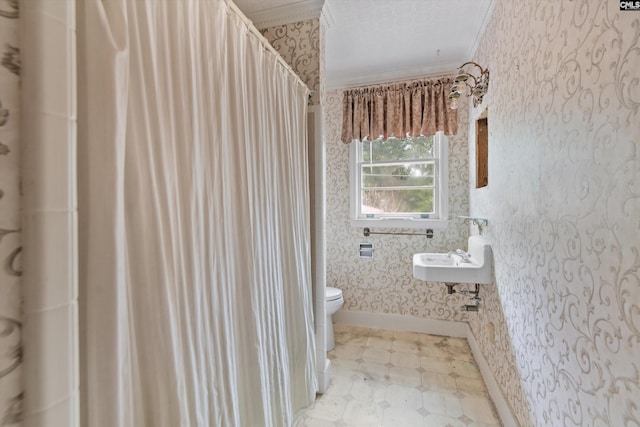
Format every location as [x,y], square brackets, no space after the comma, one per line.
[473,266]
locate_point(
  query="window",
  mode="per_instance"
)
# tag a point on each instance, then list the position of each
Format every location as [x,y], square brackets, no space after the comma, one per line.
[400,182]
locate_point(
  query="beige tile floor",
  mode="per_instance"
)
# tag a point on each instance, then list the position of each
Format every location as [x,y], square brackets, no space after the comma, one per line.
[384,378]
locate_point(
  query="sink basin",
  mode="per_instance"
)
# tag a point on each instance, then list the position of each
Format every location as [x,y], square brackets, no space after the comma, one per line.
[437,259]
[452,268]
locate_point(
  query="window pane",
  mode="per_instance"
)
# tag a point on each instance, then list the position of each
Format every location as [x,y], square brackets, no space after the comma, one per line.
[397,201]
[398,149]
[410,175]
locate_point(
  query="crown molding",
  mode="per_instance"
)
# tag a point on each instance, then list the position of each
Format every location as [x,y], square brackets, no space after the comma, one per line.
[483,29]
[355,79]
[286,14]
[326,17]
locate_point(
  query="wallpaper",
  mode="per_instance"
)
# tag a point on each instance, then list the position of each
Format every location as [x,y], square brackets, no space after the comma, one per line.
[562,333]
[385,284]
[299,46]
[10,244]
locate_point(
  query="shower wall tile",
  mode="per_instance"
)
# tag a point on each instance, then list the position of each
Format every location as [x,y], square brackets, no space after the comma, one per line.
[49,234]
[385,284]
[560,330]
[50,213]
[49,156]
[58,10]
[48,359]
[52,38]
[11,390]
[58,415]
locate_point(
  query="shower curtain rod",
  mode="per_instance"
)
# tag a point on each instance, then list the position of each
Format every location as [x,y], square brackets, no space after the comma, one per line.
[252,28]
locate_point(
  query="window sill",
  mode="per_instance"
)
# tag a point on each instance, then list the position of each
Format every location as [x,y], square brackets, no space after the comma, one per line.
[400,223]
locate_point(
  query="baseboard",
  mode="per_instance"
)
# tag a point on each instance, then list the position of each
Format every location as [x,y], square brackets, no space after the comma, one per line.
[399,322]
[502,405]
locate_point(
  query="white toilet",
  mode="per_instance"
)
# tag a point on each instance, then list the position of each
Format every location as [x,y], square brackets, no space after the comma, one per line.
[334,300]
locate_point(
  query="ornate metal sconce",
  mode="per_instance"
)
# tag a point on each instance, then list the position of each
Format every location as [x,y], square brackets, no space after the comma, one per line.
[466,83]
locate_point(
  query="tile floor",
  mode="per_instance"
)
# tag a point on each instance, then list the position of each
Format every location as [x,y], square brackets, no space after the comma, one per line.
[401,379]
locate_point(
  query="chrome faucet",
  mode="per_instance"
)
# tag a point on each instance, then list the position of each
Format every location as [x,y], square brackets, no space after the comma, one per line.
[464,257]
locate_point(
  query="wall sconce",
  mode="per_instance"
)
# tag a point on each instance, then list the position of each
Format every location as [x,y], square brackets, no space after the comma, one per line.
[466,83]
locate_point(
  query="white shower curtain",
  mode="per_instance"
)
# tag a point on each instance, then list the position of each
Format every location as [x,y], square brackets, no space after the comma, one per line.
[195,291]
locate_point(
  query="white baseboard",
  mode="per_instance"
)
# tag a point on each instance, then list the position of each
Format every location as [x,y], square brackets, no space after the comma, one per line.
[500,402]
[399,322]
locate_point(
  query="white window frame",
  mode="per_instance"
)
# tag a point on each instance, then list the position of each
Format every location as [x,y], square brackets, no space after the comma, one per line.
[440,218]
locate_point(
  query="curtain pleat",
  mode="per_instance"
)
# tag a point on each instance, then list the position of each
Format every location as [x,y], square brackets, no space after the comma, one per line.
[377,113]
[347,117]
[195,221]
[414,108]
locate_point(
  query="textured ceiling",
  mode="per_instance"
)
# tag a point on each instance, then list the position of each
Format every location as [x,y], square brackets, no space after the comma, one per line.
[370,41]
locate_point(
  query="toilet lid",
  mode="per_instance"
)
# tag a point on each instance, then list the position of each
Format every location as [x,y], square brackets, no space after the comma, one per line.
[332,293]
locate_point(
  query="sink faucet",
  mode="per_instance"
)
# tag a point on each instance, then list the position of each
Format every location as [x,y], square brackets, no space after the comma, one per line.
[464,257]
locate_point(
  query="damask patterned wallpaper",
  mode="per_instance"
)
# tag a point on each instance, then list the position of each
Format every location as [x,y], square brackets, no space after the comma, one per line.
[562,333]
[10,242]
[299,45]
[385,284]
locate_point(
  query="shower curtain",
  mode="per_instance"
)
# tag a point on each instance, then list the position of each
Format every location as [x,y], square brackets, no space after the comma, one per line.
[195,292]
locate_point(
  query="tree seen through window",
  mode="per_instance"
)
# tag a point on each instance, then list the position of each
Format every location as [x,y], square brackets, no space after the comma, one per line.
[398,176]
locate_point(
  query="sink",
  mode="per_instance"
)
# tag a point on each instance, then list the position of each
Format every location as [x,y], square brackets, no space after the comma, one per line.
[452,267]
[437,259]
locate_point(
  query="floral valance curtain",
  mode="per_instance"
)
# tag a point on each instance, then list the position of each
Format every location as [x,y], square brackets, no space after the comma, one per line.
[413,108]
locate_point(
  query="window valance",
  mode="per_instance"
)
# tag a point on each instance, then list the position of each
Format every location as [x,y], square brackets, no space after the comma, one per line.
[414,108]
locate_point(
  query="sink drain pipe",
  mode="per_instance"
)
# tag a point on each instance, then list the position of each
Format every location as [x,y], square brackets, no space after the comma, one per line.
[472,294]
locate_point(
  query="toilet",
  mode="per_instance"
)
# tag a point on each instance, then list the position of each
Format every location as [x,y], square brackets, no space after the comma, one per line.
[334,300]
